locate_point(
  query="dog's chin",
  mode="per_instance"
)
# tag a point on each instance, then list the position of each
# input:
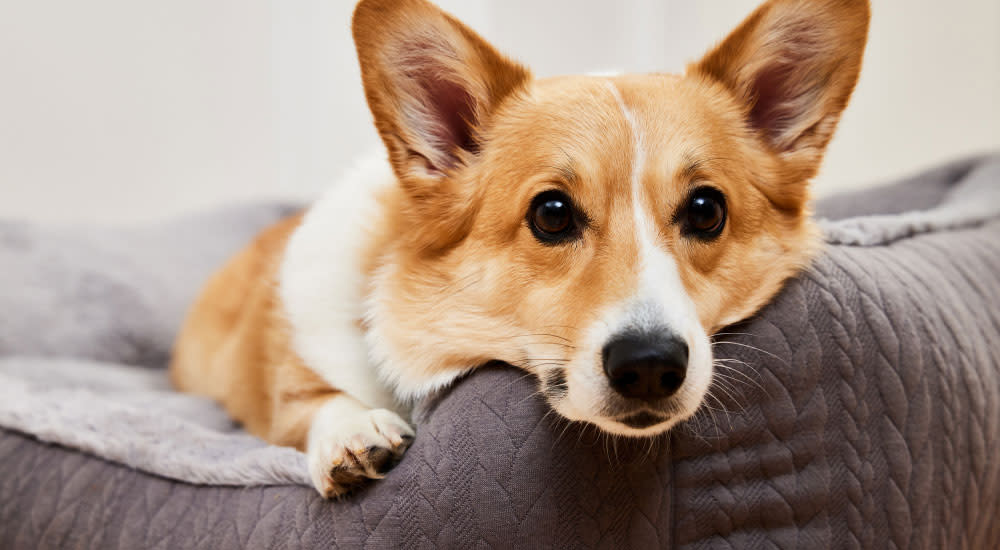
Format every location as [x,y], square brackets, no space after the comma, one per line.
[641,423]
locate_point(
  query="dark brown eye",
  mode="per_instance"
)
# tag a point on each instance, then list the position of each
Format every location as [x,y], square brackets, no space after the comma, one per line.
[705,213]
[551,217]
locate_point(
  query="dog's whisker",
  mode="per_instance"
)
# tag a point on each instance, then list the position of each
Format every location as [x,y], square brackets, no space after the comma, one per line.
[723,408]
[730,393]
[539,344]
[547,364]
[723,382]
[729,378]
[451,287]
[701,422]
[729,388]
[567,424]
[449,291]
[558,419]
[653,450]
[519,378]
[532,395]
[748,378]
[568,327]
[751,347]
[734,360]
[728,365]
[543,334]
[562,342]
[704,423]
[734,334]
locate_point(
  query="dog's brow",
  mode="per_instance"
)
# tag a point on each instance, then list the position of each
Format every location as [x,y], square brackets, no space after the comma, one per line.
[692,168]
[567,173]
[565,168]
[696,167]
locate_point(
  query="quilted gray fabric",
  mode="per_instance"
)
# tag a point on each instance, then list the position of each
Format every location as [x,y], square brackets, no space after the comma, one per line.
[862,411]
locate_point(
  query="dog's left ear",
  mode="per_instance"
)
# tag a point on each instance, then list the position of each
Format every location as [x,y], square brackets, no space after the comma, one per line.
[431,83]
[793,65]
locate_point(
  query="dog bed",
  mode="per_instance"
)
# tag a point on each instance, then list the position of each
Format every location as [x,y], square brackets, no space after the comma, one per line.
[860,409]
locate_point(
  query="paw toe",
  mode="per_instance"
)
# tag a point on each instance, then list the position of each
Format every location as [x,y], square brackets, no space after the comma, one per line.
[344,458]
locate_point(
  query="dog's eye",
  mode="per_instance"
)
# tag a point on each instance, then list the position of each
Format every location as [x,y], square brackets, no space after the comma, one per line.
[705,213]
[551,217]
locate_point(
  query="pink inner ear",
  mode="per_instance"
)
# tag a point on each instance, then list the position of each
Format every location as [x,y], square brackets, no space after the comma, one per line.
[440,109]
[453,111]
[788,86]
[774,109]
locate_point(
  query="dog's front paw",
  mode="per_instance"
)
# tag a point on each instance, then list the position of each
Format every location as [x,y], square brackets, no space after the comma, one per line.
[349,444]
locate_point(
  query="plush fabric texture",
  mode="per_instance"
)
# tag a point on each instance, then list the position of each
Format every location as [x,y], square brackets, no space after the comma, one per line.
[132,416]
[862,409]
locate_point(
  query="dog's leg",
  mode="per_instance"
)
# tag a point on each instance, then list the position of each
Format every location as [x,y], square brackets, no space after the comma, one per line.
[346,442]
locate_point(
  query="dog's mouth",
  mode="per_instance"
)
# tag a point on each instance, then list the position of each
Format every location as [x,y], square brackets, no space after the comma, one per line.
[611,412]
[642,419]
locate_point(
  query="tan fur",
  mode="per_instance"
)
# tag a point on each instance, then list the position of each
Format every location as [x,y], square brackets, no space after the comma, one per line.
[234,347]
[457,279]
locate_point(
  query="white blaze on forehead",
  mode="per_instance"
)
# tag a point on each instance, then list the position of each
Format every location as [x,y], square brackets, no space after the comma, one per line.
[658,304]
[660,297]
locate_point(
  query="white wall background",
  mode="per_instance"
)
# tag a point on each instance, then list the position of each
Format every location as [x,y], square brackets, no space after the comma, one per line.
[125,110]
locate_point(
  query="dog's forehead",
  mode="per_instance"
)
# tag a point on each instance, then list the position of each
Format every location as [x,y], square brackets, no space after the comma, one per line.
[659,100]
[563,112]
[596,122]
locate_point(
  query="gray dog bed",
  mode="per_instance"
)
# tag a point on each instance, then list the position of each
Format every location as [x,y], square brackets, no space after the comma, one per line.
[862,409]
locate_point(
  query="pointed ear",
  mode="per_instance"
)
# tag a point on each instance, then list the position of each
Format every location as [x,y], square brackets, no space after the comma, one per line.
[793,64]
[431,83]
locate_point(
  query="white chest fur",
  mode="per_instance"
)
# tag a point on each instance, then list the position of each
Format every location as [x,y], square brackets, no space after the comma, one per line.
[322,283]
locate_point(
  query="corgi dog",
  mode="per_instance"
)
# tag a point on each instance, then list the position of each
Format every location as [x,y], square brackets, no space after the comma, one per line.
[594,231]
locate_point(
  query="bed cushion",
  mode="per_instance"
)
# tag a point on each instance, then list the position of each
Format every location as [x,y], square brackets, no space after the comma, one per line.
[860,409]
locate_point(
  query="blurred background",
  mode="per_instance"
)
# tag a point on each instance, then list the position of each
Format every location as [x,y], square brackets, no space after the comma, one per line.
[127,110]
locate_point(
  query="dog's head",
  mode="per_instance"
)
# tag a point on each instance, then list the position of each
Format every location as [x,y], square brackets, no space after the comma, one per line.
[594,230]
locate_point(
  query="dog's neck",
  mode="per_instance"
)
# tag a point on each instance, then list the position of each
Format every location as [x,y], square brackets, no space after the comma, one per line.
[334,284]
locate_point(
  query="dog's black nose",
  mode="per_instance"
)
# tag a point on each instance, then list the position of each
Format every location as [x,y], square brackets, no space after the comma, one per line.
[646,367]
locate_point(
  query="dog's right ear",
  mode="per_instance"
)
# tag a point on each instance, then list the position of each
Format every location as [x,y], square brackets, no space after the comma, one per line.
[431,83]
[793,64]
